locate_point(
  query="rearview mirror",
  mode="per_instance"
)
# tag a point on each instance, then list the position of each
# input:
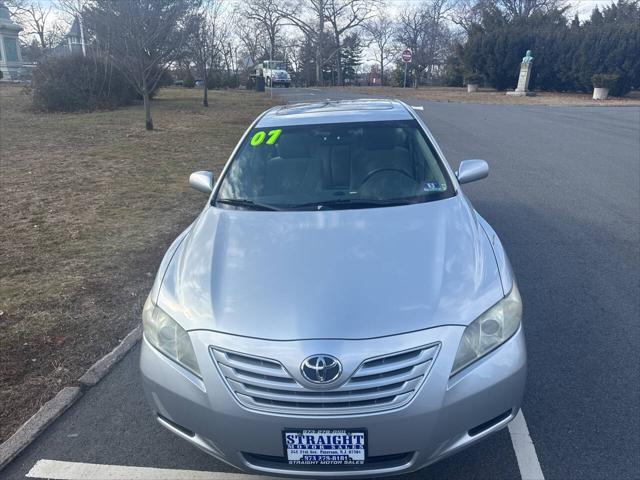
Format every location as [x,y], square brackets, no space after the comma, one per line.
[202,181]
[472,170]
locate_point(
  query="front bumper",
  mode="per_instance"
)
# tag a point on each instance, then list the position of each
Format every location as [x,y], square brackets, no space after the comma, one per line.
[446,414]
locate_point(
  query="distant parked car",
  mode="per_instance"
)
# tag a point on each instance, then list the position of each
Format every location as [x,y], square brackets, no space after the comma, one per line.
[338,308]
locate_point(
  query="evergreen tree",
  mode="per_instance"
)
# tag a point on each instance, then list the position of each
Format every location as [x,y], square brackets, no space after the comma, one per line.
[454,69]
[596,17]
[567,54]
[351,57]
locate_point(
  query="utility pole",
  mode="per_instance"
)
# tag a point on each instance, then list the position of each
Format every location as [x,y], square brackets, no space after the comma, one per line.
[405,74]
[319,59]
[84,51]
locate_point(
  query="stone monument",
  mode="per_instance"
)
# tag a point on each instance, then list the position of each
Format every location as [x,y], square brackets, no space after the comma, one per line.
[10,57]
[525,75]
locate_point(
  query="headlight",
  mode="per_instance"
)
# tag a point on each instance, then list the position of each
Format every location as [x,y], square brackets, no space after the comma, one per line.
[164,333]
[489,330]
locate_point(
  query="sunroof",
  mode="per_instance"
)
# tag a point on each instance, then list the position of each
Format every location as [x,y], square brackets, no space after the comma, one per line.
[335,106]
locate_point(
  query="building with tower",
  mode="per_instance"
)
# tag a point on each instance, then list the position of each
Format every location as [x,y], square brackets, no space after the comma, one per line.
[73,41]
[10,56]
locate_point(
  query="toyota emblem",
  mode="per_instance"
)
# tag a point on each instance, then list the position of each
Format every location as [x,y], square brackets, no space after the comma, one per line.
[321,368]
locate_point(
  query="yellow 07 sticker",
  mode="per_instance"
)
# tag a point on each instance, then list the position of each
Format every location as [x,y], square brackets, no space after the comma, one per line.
[271,136]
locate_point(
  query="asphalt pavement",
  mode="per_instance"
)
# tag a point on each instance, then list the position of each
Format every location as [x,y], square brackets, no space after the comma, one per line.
[564,196]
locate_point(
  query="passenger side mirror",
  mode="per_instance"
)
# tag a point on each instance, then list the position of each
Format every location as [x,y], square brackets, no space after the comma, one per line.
[472,170]
[202,181]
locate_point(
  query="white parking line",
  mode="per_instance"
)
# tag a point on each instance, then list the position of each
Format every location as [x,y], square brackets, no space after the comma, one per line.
[56,470]
[525,450]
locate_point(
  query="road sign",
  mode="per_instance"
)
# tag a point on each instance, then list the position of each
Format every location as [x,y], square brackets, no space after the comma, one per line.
[406,58]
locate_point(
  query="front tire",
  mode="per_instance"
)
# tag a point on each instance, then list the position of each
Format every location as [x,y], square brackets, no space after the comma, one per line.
[268,82]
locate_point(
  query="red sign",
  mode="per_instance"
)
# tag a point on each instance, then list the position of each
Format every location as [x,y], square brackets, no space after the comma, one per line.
[406,55]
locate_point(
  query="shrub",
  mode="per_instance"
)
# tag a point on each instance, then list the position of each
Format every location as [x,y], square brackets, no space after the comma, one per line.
[473,78]
[188,81]
[251,83]
[219,79]
[165,80]
[75,83]
[232,82]
[604,80]
[567,55]
[214,80]
[454,72]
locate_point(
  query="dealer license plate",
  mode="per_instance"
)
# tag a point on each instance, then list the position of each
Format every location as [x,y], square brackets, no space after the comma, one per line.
[325,447]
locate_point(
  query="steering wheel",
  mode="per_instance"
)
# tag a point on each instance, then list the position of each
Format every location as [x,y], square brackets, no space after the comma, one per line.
[381,170]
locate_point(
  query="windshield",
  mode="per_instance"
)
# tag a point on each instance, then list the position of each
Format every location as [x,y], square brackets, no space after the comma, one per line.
[336,166]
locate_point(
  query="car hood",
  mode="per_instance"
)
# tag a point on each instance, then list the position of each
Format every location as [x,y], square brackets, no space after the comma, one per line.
[332,274]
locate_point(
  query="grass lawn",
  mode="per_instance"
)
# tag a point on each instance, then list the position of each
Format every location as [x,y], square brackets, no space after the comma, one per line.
[89,204]
[489,96]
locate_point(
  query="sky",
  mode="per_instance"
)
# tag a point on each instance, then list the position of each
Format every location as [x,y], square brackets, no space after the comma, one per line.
[582,7]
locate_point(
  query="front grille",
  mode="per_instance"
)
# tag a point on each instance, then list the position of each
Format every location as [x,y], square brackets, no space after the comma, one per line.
[379,383]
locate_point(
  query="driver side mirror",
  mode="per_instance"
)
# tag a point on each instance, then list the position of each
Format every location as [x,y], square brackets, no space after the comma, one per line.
[202,181]
[472,170]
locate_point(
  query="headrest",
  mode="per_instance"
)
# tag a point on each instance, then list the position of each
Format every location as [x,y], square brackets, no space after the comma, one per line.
[294,145]
[383,138]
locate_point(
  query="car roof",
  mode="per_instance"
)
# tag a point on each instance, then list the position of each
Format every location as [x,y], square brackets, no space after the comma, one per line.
[330,111]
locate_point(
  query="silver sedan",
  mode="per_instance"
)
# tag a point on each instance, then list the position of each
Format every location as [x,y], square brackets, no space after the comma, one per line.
[338,308]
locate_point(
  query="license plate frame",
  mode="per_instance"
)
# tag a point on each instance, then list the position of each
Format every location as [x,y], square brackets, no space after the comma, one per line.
[340,456]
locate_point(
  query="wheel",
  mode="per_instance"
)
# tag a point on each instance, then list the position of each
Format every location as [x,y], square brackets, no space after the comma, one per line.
[268,82]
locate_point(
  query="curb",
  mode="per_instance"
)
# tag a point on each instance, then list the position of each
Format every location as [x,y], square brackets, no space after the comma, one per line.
[54,408]
[33,427]
[99,369]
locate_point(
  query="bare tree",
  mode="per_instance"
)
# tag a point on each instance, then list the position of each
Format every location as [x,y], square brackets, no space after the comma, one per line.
[205,42]
[229,50]
[468,13]
[380,33]
[268,15]
[229,59]
[36,19]
[293,55]
[525,8]
[344,15]
[439,35]
[250,37]
[309,17]
[73,7]
[141,37]
[412,28]
[423,28]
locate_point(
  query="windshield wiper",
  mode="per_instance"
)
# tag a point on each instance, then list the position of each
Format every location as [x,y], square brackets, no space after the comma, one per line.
[347,203]
[248,204]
